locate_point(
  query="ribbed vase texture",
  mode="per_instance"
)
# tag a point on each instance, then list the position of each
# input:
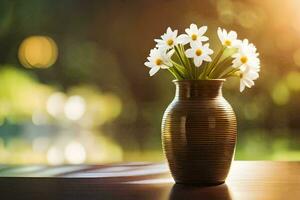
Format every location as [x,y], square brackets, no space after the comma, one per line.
[199,133]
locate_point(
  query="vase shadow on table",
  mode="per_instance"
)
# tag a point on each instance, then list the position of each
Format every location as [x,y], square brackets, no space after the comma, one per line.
[179,192]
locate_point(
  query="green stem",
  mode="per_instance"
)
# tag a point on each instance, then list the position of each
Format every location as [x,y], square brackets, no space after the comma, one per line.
[186,59]
[180,68]
[230,73]
[210,67]
[203,75]
[196,73]
[221,67]
[174,73]
[179,55]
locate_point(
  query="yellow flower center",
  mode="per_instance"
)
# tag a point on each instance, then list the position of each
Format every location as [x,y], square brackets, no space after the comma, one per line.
[227,42]
[194,37]
[198,52]
[170,42]
[158,61]
[244,59]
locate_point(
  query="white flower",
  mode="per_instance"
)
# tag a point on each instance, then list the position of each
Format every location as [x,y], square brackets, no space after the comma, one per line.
[246,56]
[227,39]
[244,45]
[158,59]
[193,35]
[199,53]
[247,77]
[169,39]
[246,59]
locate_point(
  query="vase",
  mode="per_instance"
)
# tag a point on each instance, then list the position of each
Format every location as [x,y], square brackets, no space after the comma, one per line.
[199,133]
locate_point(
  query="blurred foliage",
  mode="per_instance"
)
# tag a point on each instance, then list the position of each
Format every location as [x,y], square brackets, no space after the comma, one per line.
[100,81]
[20,94]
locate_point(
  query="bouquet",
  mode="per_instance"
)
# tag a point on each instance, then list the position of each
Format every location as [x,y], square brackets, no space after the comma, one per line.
[189,57]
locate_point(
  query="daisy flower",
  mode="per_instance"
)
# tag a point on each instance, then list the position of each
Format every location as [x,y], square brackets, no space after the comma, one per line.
[199,53]
[168,40]
[227,39]
[246,57]
[158,59]
[247,77]
[193,35]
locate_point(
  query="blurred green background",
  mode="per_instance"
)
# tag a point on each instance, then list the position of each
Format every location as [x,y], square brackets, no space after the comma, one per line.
[74,89]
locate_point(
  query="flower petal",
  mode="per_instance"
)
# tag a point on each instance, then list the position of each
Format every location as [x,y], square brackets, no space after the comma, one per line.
[207,58]
[249,83]
[193,28]
[189,53]
[175,32]
[242,86]
[153,70]
[220,34]
[148,64]
[198,61]
[170,53]
[204,38]
[232,35]
[183,39]
[195,45]
[202,30]
[164,67]
[188,31]
[169,30]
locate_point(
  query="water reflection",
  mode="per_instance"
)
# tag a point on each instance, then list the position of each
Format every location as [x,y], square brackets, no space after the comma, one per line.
[179,192]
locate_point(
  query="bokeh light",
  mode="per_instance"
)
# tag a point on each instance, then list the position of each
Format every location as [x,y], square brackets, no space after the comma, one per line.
[280,94]
[38,52]
[75,153]
[55,104]
[293,80]
[75,107]
[55,156]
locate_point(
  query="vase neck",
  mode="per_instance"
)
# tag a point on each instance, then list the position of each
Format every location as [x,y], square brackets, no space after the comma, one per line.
[198,89]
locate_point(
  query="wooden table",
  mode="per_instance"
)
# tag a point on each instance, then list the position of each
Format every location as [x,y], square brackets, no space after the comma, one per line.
[142,181]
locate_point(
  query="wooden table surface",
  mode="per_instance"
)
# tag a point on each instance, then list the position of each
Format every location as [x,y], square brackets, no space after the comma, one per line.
[141,181]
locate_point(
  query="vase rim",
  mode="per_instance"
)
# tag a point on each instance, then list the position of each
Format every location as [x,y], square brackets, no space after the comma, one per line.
[189,81]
